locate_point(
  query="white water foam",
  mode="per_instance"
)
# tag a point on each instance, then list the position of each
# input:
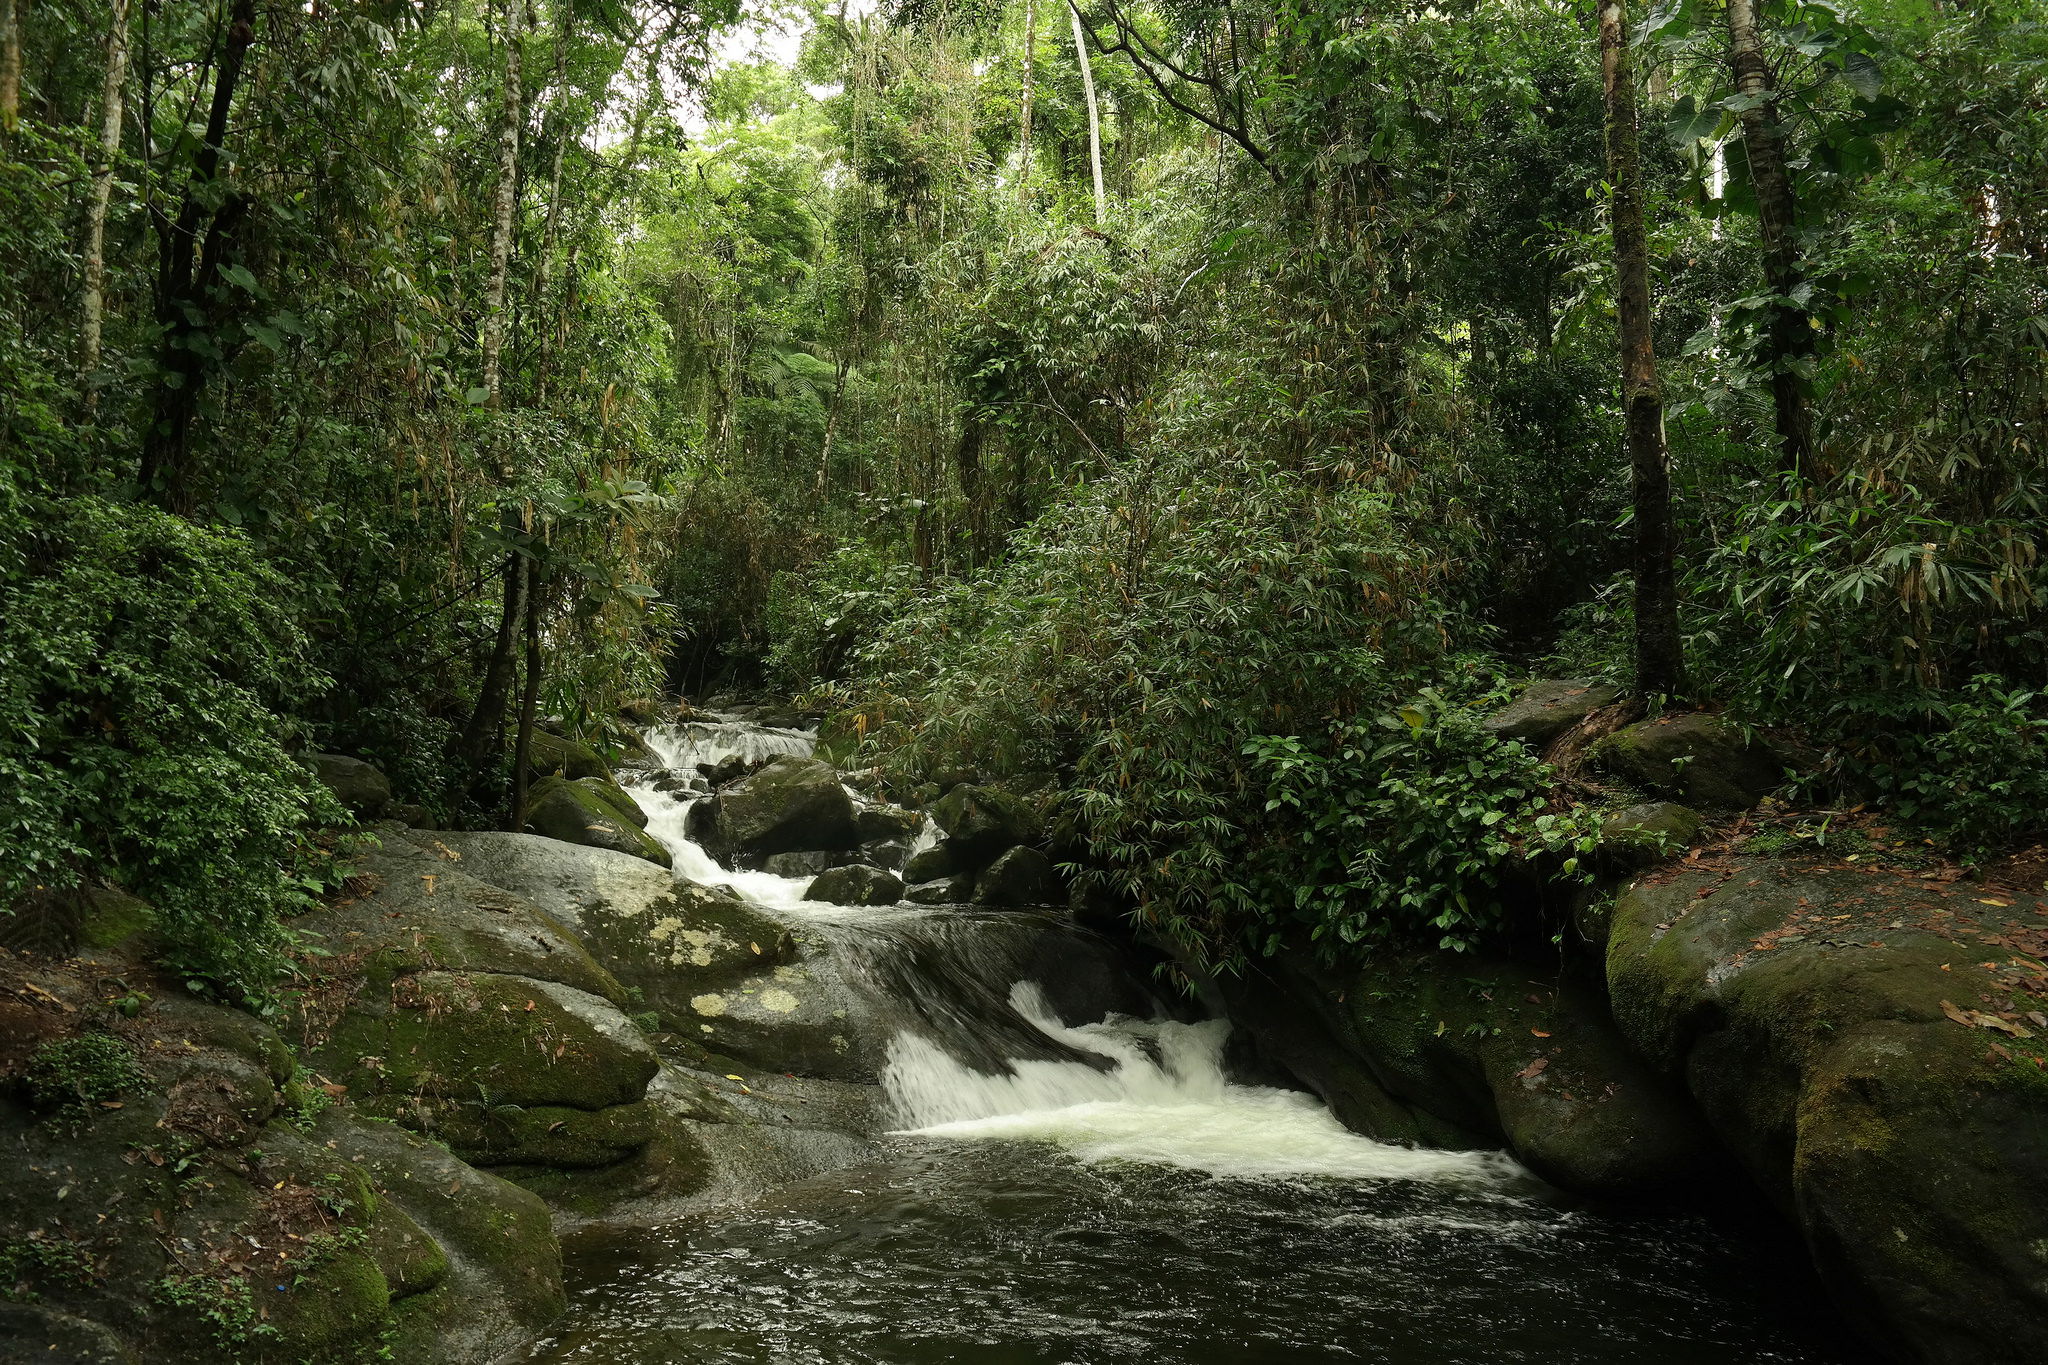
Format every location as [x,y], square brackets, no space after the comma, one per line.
[683,747]
[1164,1100]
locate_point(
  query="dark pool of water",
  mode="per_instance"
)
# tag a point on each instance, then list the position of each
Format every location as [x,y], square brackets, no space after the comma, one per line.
[1008,1253]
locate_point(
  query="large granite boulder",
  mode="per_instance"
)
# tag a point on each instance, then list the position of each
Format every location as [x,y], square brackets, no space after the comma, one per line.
[1870,1042]
[1018,877]
[550,755]
[789,805]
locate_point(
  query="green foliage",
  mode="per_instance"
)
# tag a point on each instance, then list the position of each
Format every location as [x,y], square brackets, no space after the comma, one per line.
[222,1308]
[35,1263]
[1979,782]
[1402,828]
[69,1078]
[144,663]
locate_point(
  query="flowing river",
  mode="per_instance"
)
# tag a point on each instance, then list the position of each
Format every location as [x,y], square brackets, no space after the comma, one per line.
[1100,1193]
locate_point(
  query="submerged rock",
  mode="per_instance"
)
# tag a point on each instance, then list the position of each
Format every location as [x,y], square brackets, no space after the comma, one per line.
[1704,761]
[1876,1067]
[856,884]
[1549,707]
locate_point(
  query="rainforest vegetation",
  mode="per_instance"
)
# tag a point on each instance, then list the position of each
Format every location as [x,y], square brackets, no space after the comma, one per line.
[1211,405]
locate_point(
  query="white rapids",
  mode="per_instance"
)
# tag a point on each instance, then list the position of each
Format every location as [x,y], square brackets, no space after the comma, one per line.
[1164,1100]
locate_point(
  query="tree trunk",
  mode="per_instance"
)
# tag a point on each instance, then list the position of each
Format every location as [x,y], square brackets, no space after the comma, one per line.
[507,200]
[1094,117]
[10,64]
[1790,338]
[1024,115]
[94,303]
[186,266]
[1659,663]
[529,701]
[549,315]
[480,737]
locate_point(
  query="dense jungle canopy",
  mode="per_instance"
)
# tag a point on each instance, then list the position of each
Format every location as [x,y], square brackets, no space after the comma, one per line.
[1207,404]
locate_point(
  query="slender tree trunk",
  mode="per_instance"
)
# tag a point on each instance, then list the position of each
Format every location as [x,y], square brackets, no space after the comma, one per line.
[548,313]
[10,64]
[94,303]
[1790,335]
[1659,663]
[529,701]
[502,215]
[1030,91]
[481,736]
[1094,116]
[186,266]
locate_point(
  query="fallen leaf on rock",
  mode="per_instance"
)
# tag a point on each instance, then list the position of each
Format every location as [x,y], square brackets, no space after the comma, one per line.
[1539,1033]
[1534,1068]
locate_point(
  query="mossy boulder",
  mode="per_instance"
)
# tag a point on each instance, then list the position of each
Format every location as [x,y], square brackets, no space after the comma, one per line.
[1548,707]
[1865,1041]
[1647,832]
[1455,1051]
[1018,877]
[361,787]
[550,755]
[981,822]
[789,805]
[585,812]
[932,864]
[617,798]
[492,1040]
[1706,761]
[855,884]
[881,824]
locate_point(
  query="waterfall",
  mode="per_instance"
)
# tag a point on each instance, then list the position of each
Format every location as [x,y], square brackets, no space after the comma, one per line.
[1019,1025]
[1163,1100]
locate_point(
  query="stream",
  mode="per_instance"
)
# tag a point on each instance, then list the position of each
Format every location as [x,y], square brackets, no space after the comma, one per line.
[1053,1192]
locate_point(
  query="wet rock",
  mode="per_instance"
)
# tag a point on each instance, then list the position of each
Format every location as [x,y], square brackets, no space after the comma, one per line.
[1549,707]
[577,813]
[361,787]
[957,890]
[1018,877]
[889,853]
[856,884]
[877,824]
[931,864]
[808,864]
[1812,1009]
[1705,761]
[790,805]
[615,798]
[731,768]
[1454,1051]
[981,822]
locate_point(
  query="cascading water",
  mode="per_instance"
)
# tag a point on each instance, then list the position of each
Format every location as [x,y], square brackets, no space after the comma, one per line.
[1075,1179]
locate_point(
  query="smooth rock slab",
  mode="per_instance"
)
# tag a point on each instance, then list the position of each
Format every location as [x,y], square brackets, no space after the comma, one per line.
[1549,707]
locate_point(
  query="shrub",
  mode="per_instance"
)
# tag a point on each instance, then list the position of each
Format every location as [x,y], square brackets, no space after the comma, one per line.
[144,663]
[69,1077]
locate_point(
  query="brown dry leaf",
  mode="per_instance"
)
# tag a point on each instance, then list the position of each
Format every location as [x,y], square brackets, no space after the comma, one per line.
[1539,1033]
[1948,1007]
[1534,1069]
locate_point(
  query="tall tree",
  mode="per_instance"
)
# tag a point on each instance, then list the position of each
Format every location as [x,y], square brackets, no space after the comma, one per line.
[1094,116]
[1658,659]
[192,248]
[503,212]
[1024,110]
[93,302]
[1789,339]
[10,64]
